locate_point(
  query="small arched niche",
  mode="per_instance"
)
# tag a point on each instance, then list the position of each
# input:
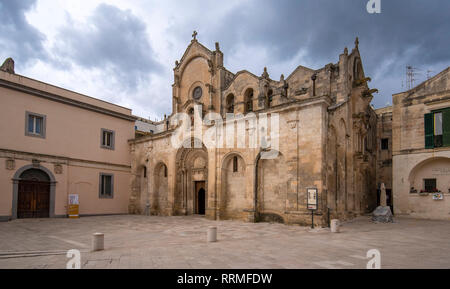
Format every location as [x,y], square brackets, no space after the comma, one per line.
[248,100]
[160,190]
[230,103]
[430,175]
[234,198]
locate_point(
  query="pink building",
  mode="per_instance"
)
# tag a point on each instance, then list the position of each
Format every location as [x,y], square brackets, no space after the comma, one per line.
[55,142]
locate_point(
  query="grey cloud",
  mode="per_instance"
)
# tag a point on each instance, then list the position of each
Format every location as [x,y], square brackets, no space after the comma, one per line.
[406,32]
[113,40]
[18,39]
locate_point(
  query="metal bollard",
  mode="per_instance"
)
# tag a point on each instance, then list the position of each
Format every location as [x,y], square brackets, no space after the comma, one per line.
[98,242]
[335,226]
[212,234]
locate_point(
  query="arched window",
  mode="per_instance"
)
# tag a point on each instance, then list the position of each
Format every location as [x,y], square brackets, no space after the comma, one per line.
[191,115]
[230,103]
[235,164]
[248,100]
[145,172]
[165,171]
[270,97]
[357,69]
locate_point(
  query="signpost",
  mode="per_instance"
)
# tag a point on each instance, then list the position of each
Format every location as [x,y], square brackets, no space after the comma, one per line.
[73,206]
[312,197]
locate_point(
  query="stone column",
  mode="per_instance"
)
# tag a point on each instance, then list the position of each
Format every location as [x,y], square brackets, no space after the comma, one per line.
[383,201]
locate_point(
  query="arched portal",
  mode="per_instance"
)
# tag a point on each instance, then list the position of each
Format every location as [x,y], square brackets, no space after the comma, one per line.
[233,197]
[271,188]
[200,198]
[140,190]
[191,177]
[33,193]
[160,203]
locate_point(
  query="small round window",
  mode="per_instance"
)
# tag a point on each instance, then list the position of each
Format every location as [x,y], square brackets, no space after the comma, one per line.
[197,94]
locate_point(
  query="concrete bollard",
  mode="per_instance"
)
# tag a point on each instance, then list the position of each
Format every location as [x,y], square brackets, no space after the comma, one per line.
[212,234]
[98,242]
[335,226]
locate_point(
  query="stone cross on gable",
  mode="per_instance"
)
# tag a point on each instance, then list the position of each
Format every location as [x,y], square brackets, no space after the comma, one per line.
[194,35]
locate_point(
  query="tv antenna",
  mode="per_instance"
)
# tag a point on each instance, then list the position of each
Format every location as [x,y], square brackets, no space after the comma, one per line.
[411,73]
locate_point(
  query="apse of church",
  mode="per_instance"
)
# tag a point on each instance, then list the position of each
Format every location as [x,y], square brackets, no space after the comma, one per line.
[313,129]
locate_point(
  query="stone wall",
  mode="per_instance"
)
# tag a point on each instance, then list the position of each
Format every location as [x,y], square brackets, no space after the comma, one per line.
[412,161]
[325,139]
[384,156]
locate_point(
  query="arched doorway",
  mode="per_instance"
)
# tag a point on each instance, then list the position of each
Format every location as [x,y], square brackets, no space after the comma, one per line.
[201,198]
[192,175]
[33,199]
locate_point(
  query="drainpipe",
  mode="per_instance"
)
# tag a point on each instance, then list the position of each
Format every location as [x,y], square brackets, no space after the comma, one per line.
[255,195]
[147,204]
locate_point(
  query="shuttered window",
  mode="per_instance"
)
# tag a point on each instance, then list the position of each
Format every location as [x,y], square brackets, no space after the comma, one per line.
[437,128]
[446,127]
[429,131]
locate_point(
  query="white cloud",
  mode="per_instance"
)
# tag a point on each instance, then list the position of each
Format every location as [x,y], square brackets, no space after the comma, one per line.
[253,34]
[152,96]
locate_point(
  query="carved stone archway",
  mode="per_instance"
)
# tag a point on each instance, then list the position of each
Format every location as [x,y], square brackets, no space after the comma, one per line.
[17,178]
[192,167]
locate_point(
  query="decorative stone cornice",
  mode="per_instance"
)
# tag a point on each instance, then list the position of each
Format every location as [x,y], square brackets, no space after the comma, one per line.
[36,159]
[64,100]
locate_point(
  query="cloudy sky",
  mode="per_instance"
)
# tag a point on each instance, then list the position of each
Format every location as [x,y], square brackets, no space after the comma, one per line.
[124,51]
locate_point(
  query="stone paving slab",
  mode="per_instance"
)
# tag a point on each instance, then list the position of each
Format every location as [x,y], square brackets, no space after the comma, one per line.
[180,242]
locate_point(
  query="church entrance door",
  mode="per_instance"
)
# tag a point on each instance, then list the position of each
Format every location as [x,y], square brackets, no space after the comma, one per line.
[200,196]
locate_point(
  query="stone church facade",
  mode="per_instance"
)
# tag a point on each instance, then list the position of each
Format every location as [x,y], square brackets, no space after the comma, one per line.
[236,146]
[318,124]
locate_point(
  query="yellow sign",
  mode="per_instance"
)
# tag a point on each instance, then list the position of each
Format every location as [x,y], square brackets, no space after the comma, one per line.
[73,211]
[73,207]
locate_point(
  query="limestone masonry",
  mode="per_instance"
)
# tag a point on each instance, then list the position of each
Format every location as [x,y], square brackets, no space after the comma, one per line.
[317,127]
[327,140]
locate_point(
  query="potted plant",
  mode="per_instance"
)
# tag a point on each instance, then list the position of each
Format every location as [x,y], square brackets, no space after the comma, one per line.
[423,193]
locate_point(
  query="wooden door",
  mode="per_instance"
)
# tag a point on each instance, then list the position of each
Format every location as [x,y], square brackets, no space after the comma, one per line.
[33,199]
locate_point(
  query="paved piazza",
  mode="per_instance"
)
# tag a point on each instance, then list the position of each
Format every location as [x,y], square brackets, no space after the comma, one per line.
[180,242]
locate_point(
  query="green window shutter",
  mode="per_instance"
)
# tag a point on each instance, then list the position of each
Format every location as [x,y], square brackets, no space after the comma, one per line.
[446,127]
[429,130]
